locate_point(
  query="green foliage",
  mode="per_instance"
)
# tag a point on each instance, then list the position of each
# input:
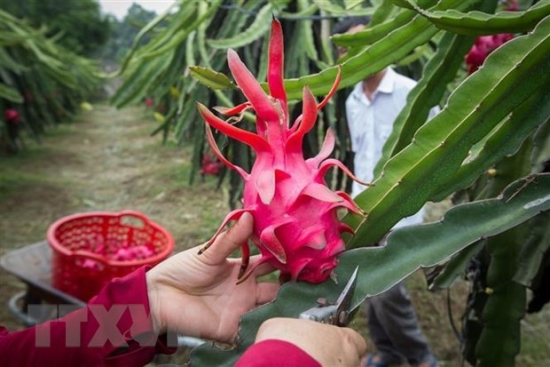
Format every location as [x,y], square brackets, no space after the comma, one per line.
[40,80]
[488,145]
[78,24]
[480,23]
[442,144]
[123,33]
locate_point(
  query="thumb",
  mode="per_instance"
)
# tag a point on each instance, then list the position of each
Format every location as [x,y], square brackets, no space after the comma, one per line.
[355,340]
[230,240]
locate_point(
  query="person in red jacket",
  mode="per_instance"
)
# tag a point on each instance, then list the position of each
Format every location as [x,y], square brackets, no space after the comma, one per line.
[129,321]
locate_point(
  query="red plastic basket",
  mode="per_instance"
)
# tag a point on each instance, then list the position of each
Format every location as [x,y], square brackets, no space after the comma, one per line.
[85,247]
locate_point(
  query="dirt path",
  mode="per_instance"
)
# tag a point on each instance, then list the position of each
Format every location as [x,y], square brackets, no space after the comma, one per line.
[105,160]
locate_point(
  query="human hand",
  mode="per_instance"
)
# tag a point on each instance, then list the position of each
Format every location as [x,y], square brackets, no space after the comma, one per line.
[198,295]
[327,344]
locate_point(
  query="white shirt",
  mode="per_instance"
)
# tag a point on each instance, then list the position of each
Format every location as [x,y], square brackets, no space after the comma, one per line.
[370,124]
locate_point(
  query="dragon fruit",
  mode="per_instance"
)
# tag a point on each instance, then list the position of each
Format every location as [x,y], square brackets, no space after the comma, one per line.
[12,116]
[296,223]
[210,166]
[484,45]
[149,102]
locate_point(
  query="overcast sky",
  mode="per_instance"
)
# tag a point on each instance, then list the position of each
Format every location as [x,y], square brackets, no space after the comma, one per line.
[119,7]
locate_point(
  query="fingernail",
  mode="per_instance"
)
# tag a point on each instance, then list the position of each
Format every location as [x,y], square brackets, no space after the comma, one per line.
[244,216]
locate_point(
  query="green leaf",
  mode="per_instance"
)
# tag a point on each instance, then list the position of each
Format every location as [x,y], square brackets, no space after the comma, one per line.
[455,267]
[179,37]
[541,146]
[503,141]
[382,13]
[511,75]
[500,341]
[305,29]
[9,93]
[308,11]
[479,23]
[381,267]
[211,78]
[10,39]
[350,4]
[336,10]
[7,61]
[404,4]
[146,30]
[374,58]
[260,26]
[138,83]
[439,71]
[532,253]
[375,31]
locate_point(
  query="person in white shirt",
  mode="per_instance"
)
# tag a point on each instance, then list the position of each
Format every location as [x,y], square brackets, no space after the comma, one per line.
[371,109]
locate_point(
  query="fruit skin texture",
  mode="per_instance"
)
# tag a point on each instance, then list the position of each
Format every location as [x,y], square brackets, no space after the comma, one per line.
[296,226]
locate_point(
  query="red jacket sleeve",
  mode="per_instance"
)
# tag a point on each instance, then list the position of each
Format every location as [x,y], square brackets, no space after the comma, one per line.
[114,329]
[276,353]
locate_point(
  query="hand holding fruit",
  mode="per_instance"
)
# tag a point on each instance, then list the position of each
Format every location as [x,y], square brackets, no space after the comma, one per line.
[198,295]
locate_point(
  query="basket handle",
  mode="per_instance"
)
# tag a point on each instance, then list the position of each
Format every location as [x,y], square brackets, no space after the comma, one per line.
[133,218]
[90,255]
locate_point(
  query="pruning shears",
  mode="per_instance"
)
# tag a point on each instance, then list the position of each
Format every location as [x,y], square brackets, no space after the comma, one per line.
[339,313]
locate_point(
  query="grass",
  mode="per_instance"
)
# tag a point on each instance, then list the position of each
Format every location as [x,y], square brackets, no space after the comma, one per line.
[11,174]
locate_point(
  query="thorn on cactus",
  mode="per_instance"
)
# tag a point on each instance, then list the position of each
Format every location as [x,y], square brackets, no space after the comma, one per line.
[296,223]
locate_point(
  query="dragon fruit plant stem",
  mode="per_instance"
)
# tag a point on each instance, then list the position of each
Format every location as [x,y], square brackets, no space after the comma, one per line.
[296,224]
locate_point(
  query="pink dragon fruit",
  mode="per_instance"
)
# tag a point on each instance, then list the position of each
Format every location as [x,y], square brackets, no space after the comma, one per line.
[296,224]
[12,116]
[483,46]
[149,102]
[210,166]
[512,5]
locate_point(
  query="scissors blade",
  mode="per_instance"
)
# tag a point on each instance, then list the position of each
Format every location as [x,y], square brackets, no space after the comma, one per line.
[343,303]
[337,313]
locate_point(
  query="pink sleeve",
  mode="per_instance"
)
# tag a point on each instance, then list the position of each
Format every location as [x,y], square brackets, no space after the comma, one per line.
[276,353]
[114,329]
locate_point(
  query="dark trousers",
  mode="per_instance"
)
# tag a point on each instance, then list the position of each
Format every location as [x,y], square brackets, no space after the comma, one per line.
[394,328]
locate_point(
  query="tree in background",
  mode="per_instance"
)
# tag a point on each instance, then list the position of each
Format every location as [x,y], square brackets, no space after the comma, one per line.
[42,83]
[79,24]
[124,32]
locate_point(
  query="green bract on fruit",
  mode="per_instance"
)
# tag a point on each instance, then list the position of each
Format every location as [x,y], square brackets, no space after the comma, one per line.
[296,226]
